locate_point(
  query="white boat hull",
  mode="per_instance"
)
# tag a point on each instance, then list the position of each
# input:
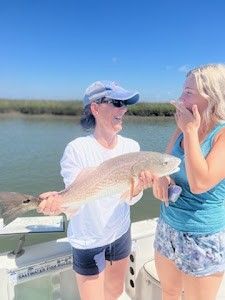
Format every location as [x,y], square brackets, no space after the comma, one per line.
[45,272]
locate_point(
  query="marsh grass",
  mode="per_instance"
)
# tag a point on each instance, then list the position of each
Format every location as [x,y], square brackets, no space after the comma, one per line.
[74,108]
[152,109]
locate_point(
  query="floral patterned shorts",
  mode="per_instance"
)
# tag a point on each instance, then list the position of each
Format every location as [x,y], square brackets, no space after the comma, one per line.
[196,255]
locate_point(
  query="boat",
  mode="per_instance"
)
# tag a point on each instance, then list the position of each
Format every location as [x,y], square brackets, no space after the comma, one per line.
[44,271]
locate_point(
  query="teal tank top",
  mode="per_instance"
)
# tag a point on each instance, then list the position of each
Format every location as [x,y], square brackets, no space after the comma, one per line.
[196,213]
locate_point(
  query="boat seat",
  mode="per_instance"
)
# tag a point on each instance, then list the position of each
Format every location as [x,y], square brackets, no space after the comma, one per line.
[152,276]
[150,270]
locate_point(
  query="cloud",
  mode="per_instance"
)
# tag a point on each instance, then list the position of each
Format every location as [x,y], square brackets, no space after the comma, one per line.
[184,68]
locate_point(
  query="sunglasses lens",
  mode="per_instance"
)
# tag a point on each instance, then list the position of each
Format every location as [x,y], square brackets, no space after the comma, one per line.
[114,102]
[118,103]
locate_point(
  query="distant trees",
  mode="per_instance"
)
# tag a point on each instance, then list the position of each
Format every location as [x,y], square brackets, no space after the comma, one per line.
[74,108]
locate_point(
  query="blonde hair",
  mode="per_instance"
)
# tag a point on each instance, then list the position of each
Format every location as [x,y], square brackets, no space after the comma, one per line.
[210,81]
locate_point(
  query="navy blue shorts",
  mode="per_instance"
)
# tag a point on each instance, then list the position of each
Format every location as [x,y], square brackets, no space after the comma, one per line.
[92,261]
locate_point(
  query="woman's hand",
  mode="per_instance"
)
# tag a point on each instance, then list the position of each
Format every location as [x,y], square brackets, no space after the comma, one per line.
[145,181]
[50,204]
[160,188]
[185,119]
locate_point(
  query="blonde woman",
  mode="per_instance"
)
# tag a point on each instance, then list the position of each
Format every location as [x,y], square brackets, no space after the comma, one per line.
[190,236]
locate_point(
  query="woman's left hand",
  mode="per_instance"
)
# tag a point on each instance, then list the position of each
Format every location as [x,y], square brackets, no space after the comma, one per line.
[160,188]
[185,119]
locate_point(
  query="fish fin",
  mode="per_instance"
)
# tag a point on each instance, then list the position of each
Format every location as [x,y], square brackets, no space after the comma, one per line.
[71,205]
[125,196]
[132,183]
[128,195]
[138,167]
[71,209]
[69,212]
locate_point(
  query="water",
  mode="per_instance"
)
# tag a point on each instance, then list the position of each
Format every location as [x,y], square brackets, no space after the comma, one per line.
[31,148]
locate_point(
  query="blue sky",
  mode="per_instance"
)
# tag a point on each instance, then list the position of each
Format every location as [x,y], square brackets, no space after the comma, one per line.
[53,49]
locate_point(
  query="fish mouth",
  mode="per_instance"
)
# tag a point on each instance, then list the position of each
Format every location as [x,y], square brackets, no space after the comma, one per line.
[177,169]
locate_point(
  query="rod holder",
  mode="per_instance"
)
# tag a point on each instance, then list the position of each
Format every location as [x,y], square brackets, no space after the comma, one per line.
[18,251]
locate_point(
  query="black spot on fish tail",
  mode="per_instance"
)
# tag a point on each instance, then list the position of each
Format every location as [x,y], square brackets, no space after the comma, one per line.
[26,201]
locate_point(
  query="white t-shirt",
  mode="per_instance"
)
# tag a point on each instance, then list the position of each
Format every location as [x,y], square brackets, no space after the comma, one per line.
[100,222]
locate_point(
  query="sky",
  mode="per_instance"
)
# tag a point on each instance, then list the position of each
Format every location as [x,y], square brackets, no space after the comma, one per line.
[54,49]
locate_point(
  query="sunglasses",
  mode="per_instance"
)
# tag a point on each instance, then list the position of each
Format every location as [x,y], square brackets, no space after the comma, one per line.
[114,102]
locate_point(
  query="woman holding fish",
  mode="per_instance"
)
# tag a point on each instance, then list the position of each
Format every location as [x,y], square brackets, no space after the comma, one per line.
[99,231]
[190,236]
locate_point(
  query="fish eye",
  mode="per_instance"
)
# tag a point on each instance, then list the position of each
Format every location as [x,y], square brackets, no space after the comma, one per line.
[165,163]
[26,201]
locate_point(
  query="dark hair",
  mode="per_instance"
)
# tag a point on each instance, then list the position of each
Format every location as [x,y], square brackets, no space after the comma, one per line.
[87,120]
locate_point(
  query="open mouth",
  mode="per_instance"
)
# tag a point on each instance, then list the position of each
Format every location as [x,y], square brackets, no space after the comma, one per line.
[174,170]
[177,169]
[167,173]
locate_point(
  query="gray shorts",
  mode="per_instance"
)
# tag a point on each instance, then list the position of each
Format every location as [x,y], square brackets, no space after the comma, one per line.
[195,255]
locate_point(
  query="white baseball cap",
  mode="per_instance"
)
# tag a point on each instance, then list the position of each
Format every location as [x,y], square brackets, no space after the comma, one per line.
[111,90]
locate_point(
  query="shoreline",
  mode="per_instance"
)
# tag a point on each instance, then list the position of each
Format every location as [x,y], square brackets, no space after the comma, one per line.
[15,114]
